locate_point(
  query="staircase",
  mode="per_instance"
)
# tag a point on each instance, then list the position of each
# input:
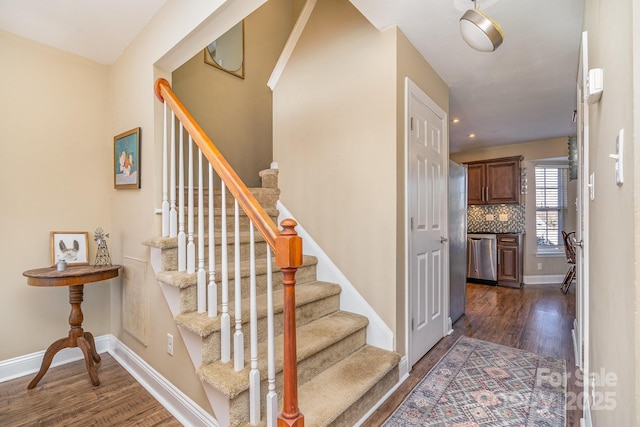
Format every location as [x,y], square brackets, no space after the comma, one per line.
[214,263]
[340,377]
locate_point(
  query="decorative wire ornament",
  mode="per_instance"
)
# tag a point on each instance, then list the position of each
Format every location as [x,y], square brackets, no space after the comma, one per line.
[102,257]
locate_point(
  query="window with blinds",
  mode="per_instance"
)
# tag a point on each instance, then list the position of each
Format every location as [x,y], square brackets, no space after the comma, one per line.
[551,202]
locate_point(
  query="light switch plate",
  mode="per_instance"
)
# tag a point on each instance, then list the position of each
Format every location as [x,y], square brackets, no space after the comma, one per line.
[618,156]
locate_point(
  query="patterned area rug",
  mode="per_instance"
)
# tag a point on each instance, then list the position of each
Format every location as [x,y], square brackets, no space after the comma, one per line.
[478,383]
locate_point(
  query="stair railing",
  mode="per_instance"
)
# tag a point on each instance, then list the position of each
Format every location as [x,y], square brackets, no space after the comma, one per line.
[285,244]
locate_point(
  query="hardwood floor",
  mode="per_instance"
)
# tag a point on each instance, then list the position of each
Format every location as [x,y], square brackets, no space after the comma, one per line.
[66,397]
[538,319]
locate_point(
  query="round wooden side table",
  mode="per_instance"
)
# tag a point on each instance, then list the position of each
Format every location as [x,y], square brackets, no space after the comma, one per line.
[75,277]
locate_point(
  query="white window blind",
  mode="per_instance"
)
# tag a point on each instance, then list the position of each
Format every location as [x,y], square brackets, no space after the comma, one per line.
[551,202]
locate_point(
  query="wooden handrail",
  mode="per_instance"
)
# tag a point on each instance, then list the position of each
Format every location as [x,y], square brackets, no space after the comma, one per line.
[245,198]
[286,245]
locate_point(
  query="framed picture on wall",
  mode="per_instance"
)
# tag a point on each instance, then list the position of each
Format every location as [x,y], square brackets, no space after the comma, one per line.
[126,150]
[71,246]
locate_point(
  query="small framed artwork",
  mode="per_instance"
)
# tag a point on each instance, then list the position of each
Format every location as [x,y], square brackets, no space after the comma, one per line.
[126,150]
[71,246]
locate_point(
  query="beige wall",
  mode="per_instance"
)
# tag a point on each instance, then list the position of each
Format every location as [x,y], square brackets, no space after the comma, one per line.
[57,175]
[334,141]
[337,109]
[531,152]
[175,34]
[410,63]
[60,113]
[236,113]
[613,228]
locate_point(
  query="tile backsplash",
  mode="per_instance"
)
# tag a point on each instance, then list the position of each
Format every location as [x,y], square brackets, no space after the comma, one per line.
[496,219]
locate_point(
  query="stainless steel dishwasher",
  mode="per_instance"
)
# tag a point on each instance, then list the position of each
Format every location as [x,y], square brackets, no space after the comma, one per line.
[482,258]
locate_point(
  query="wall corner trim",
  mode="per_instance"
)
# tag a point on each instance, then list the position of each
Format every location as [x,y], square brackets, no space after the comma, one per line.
[296,32]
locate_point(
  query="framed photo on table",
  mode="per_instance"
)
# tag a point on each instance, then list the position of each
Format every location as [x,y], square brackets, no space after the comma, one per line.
[126,150]
[71,246]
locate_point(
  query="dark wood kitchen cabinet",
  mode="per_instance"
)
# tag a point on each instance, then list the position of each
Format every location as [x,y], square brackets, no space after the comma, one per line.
[476,183]
[510,260]
[494,182]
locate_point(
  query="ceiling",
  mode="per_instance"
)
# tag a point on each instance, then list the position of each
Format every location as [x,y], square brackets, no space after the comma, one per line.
[523,91]
[96,29]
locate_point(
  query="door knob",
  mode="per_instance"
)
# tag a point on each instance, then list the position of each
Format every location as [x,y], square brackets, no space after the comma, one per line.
[443,239]
[578,243]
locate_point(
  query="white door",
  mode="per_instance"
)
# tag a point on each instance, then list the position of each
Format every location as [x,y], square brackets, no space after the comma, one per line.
[581,330]
[427,169]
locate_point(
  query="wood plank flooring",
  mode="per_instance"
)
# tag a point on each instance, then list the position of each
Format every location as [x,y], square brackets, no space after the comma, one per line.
[66,397]
[538,319]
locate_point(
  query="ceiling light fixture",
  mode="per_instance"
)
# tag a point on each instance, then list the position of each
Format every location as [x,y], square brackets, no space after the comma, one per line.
[479,31]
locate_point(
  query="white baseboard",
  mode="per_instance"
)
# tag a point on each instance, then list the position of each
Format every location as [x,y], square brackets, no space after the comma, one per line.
[546,279]
[403,374]
[30,363]
[185,410]
[403,367]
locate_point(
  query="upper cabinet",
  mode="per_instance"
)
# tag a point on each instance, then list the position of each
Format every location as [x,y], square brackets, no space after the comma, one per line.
[494,182]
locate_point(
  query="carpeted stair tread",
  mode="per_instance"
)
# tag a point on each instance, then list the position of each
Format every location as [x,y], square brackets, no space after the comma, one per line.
[272,212]
[266,197]
[333,391]
[172,242]
[204,325]
[312,338]
[184,280]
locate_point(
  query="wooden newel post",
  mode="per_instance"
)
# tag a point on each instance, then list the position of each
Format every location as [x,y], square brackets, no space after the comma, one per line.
[289,258]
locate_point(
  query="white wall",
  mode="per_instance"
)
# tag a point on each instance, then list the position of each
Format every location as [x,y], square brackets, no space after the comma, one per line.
[614,255]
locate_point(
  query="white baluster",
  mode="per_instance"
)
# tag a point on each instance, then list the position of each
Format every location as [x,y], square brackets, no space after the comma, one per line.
[238,336]
[272,396]
[191,247]
[165,177]
[254,374]
[202,277]
[182,237]
[173,215]
[212,290]
[225,318]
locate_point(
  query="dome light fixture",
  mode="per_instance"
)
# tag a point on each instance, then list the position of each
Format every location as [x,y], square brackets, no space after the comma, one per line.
[480,31]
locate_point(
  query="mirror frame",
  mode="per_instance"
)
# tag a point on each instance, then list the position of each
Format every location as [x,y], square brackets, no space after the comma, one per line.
[208,59]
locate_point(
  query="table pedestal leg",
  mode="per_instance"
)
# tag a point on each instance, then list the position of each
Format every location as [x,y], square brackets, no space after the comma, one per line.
[48,357]
[77,338]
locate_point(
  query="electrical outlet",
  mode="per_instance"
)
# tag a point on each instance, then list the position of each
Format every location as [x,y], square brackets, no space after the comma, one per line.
[539,266]
[488,217]
[170,344]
